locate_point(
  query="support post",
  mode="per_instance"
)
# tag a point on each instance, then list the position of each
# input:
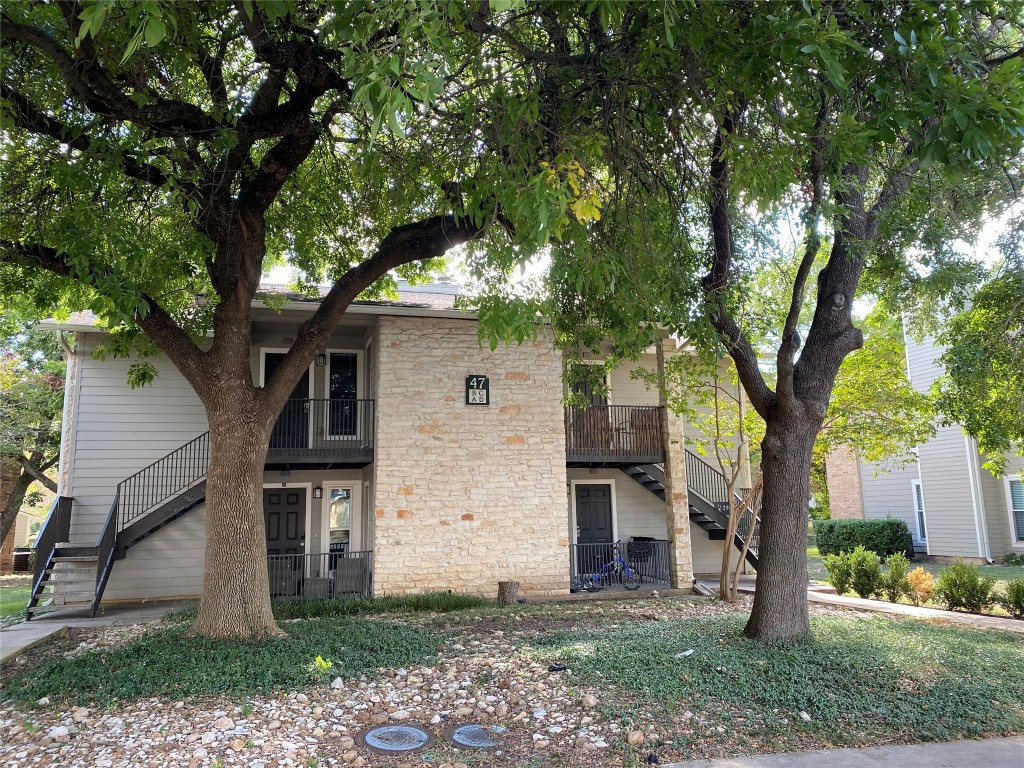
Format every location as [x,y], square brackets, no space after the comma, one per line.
[677,505]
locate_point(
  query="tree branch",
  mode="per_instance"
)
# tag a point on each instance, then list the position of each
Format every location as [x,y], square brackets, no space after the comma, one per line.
[38,473]
[405,244]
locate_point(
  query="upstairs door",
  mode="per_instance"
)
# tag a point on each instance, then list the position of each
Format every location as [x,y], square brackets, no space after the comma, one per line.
[343,413]
[292,429]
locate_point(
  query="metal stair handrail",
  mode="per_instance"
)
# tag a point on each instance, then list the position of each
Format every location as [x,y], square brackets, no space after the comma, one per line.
[56,529]
[708,483]
[165,478]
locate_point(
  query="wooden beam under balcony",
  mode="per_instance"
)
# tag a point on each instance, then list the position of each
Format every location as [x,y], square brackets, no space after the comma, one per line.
[613,435]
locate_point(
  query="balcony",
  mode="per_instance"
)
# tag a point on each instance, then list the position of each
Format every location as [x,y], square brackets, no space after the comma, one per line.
[323,432]
[613,435]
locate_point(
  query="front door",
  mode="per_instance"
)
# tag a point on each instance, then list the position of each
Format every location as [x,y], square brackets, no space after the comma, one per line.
[284,517]
[292,429]
[593,526]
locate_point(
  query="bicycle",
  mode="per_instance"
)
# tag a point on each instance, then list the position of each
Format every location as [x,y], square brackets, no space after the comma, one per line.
[615,569]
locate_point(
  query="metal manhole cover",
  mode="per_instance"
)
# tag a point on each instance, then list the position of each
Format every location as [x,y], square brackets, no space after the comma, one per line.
[477,736]
[395,738]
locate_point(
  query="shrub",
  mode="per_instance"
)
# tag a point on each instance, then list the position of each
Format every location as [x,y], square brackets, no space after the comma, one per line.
[920,586]
[839,571]
[884,537]
[1013,559]
[893,583]
[1013,598]
[866,569]
[962,587]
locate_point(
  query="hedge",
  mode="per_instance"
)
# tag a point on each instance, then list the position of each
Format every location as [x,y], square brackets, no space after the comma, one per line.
[883,537]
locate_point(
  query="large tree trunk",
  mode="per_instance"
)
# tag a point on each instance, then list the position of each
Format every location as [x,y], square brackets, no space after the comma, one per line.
[14,485]
[780,601]
[236,597]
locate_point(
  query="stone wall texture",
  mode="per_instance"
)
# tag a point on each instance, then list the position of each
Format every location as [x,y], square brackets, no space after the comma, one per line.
[844,494]
[467,496]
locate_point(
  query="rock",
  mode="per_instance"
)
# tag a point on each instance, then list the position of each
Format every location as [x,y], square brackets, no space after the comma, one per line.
[236,744]
[805,717]
[44,702]
[654,593]
[542,743]
[501,710]
[463,712]
[224,723]
[346,742]
[337,683]
[635,738]
[200,753]
[589,700]
[349,757]
[378,719]
[600,743]
[80,715]
[401,714]
[435,720]
[274,725]
[302,698]
[60,733]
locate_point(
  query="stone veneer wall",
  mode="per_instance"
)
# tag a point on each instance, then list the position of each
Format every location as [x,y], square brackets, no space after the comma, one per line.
[842,473]
[467,496]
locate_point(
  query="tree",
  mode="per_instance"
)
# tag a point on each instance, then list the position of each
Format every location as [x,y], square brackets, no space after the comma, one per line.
[167,154]
[983,390]
[885,130]
[31,405]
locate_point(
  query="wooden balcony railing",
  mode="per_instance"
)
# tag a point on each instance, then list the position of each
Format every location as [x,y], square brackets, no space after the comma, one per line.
[614,434]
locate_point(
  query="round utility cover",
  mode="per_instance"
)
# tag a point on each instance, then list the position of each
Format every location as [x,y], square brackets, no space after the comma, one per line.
[395,738]
[477,736]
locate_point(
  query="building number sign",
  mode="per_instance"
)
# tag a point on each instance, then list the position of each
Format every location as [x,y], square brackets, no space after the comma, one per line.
[478,390]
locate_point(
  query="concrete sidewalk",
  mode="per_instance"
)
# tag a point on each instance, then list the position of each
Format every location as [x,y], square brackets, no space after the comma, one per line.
[989,753]
[17,639]
[825,594]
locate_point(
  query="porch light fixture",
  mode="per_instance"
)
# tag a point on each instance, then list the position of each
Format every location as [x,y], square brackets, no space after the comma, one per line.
[321,359]
[318,492]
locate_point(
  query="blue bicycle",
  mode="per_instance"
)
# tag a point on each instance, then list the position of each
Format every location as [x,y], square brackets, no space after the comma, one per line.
[616,570]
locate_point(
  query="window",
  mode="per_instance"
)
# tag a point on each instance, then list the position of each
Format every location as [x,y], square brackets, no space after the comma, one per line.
[341,387]
[1017,508]
[919,509]
[340,519]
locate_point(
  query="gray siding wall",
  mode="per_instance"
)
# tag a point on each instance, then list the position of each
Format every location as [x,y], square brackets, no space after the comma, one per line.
[945,471]
[887,491]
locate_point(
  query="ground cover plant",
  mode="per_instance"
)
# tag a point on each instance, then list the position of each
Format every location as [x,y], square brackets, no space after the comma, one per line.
[859,679]
[165,662]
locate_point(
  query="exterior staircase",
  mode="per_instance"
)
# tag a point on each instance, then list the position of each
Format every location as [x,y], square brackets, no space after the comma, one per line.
[708,495]
[72,575]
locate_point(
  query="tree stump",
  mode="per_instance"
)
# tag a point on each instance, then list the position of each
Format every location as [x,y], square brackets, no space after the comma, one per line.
[508,592]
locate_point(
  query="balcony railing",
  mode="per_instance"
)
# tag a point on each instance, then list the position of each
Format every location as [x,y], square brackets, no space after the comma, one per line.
[321,577]
[614,434]
[649,559]
[327,430]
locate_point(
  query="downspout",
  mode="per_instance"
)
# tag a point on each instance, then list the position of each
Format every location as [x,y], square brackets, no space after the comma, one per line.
[68,414]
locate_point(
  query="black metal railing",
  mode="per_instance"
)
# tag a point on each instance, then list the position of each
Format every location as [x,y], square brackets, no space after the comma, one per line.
[163,479]
[649,558]
[105,547]
[327,576]
[330,429]
[56,529]
[705,480]
[614,434]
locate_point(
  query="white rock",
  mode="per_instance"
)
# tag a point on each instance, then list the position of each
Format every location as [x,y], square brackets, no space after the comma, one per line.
[337,683]
[401,714]
[60,732]
[805,717]
[589,700]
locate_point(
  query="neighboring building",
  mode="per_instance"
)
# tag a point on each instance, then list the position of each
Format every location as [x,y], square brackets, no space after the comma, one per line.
[395,468]
[952,505]
[17,537]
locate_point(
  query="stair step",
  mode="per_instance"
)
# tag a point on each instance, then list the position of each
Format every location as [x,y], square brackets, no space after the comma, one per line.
[76,559]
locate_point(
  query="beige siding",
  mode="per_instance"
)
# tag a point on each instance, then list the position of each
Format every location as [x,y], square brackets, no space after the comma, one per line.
[467,496]
[627,390]
[118,430]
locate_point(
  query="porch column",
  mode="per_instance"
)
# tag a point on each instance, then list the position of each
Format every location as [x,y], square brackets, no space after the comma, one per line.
[677,506]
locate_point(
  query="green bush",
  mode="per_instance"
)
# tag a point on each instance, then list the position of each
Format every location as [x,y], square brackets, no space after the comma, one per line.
[1013,598]
[893,583]
[1013,559]
[839,571]
[962,587]
[884,537]
[866,569]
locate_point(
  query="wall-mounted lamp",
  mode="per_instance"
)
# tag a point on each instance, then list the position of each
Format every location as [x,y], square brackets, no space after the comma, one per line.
[321,359]
[318,492]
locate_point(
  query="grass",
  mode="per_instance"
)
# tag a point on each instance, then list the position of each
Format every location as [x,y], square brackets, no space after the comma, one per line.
[432,602]
[166,663]
[859,679]
[1001,573]
[14,594]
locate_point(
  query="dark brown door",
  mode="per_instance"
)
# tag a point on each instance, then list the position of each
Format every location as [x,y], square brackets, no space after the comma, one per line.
[593,514]
[292,429]
[284,512]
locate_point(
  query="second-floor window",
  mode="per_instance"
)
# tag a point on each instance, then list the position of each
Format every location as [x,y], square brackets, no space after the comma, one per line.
[1017,509]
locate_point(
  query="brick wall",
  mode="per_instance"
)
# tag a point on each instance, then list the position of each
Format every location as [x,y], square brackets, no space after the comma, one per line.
[844,494]
[467,496]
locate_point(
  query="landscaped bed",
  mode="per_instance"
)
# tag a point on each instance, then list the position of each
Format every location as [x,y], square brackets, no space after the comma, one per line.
[141,696]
